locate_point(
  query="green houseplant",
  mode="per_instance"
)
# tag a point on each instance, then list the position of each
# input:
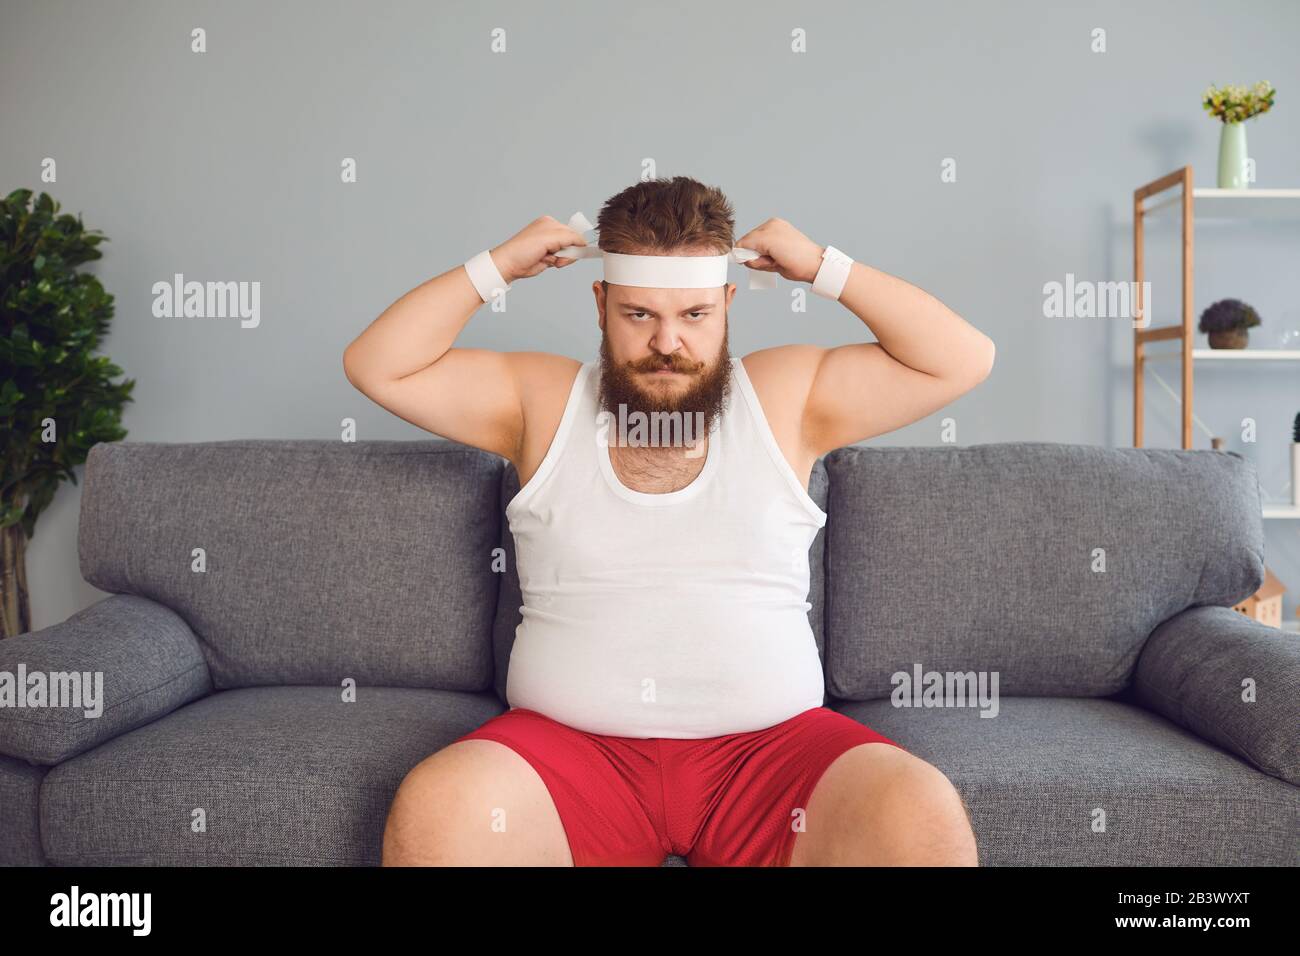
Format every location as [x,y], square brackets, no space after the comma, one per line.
[56,397]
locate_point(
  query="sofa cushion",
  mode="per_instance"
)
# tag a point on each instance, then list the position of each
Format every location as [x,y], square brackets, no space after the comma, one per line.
[132,659]
[20,832]
[325,560]
[1230,680]
[289,776]
[988,559]
[1034,777]
[509,616]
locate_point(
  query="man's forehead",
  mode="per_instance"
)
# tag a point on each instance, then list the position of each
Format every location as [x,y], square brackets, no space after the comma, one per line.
[658,300]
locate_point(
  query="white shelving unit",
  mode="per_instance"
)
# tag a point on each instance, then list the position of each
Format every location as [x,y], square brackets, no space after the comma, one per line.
[1177,193]
[1235,203]
[1234,355]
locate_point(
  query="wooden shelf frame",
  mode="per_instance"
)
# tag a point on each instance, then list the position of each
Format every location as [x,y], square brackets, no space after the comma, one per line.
[1182,332]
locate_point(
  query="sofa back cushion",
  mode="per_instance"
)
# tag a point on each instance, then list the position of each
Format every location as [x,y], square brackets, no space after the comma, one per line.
[1047,563]
[322,560]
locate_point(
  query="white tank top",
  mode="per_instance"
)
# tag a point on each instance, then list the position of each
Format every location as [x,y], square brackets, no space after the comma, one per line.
[682,614]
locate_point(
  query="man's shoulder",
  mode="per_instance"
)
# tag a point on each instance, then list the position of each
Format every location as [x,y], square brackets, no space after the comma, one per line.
[541,375]
[782,375]
[545,381]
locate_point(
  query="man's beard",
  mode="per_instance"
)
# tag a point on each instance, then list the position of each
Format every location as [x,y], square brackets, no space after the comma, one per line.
[704,399]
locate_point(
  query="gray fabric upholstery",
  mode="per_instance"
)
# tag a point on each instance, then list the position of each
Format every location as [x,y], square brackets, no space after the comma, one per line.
[325,560]
[1193,668]
[509,595]
[509,616]
[981,559]
[283,775]
[1034,777]
[147,658]
[20,831]
[374,561]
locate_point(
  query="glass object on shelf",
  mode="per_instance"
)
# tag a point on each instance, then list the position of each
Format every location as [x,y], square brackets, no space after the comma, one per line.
[1288,335]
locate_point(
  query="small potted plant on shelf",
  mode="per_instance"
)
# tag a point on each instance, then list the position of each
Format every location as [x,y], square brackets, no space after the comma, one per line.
[1226,322]
[1232,106]
[1295,466]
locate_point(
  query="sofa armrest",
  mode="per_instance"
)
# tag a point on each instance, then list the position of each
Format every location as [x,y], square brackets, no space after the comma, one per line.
[1194,668]
[123,662]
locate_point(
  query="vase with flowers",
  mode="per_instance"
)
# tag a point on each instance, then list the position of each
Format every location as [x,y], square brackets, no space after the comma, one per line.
[1233,105]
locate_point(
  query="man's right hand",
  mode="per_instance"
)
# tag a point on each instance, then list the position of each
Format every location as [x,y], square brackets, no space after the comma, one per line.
[532,249]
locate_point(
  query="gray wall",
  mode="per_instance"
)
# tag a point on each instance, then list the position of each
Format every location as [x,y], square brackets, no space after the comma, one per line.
[225,166]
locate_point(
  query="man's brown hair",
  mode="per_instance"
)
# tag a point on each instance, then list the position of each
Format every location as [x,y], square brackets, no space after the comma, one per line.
[661,216]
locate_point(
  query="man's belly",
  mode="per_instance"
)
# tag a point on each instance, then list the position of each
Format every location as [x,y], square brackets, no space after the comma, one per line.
[668,671]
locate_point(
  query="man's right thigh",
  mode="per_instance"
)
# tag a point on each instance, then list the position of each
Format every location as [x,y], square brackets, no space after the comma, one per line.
[474,803]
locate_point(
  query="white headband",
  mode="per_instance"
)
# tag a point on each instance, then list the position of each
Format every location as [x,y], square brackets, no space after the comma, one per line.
[665,272]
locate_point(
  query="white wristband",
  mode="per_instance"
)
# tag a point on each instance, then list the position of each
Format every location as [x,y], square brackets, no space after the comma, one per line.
[485,275]
[832,274]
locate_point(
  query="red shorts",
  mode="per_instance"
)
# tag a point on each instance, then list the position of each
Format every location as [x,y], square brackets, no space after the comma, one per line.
[735,800]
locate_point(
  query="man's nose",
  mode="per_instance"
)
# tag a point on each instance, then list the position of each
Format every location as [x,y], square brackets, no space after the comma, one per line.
[664,340]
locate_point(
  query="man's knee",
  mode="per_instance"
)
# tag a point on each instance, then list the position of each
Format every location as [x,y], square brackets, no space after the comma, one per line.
[417,828]
[473,803]
[881,805]
[924,819]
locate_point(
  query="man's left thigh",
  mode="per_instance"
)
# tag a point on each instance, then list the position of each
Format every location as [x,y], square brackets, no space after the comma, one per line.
[765,783]
[883,806]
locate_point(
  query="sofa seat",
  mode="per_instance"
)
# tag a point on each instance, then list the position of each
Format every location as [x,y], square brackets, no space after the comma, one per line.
[1035,777]
[293,776]
[285,776]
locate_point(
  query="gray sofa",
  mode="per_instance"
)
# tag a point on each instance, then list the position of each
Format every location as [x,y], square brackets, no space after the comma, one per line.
[1096,583]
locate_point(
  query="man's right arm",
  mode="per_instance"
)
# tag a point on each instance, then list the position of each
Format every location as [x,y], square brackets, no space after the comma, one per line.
[405,362]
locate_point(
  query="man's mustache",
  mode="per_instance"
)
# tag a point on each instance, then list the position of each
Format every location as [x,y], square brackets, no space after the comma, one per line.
[666,362]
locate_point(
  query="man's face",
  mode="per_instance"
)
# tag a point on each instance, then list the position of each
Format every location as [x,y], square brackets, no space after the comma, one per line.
[645,331]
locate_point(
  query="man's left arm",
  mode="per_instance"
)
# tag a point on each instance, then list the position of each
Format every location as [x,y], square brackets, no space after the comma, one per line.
[925,355]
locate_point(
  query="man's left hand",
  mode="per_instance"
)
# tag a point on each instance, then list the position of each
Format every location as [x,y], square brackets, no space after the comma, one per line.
[784,250]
